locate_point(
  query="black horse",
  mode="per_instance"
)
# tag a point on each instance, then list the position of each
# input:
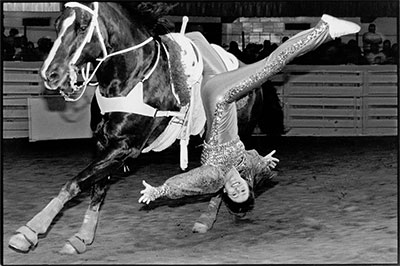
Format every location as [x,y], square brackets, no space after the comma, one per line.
[132,58]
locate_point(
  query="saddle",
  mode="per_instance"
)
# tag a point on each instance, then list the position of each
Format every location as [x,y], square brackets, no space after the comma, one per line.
[195,66]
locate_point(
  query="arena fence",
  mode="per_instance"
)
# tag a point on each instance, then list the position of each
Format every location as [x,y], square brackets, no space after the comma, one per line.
[339,100]
[317,101]
[31,111]
[20,82]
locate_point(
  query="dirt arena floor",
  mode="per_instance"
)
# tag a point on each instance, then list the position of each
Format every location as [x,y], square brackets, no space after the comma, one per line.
[334,201]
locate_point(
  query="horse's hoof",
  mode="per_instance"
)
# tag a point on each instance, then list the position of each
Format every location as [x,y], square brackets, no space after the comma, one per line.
[24,239]
[68,250]
[73,246]
[199,228]
[19,242]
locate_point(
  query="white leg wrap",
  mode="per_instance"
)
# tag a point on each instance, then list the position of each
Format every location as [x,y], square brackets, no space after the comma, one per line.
[88,228]
[41,222]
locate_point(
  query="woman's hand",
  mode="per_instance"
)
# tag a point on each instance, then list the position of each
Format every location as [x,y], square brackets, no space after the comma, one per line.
[271,161]
[149,193]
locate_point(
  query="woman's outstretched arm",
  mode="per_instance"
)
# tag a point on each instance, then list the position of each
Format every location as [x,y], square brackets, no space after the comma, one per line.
[198,181]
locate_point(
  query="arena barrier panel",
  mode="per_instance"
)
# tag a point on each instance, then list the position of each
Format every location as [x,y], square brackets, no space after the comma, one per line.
[345,100]
[31,111]
[21,80]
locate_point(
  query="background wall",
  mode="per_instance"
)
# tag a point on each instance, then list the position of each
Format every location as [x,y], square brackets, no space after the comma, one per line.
[255,29]
[13,19]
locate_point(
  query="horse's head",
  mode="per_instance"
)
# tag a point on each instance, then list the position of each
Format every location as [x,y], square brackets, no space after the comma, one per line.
[81,39]
[92,33]
[140,74]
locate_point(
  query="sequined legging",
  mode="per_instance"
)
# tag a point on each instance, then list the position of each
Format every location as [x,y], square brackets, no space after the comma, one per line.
[220,92]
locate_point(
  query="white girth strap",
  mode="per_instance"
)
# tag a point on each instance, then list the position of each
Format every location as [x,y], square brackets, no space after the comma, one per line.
[131,103]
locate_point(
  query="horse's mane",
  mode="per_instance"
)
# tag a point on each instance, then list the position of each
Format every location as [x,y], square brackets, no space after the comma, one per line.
[178,74]
[151,15]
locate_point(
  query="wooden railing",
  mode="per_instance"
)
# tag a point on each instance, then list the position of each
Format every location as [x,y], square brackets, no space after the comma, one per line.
[21,81]
[31,111]
[339,100]
[317,101]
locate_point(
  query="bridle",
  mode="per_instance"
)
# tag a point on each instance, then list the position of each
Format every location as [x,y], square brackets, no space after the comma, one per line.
[136,93]
[92,28]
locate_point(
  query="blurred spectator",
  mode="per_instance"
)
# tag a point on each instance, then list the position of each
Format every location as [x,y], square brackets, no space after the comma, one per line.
[7,51]
[250,53]
[388,52]
[13,32]
[387,48]
[374,56]
[9,48]
[395,53]
[284,39]
[20,43]
[28,53]
[234,49]
[370,38]
[353,54]
[334,53]
[274,46]
[44,47]
[265,51]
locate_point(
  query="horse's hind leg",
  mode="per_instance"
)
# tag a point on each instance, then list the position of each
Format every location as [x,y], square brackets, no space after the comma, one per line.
[85,236]
[207,219]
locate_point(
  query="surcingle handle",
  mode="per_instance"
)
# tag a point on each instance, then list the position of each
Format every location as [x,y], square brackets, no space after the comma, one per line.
[185,20]
[184,154]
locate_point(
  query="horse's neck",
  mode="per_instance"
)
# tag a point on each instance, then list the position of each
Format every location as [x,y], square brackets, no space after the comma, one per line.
[122,72]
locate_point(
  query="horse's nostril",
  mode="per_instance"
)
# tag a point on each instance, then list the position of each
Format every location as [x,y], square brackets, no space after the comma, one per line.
[53,76]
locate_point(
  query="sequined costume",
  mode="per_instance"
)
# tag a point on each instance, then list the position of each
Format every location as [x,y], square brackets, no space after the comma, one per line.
[223,148]
[209,179]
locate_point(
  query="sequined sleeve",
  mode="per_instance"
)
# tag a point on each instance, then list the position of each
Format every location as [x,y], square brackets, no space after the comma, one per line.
[201,180]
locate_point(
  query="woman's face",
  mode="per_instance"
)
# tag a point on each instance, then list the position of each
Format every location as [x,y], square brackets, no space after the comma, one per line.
[236,187]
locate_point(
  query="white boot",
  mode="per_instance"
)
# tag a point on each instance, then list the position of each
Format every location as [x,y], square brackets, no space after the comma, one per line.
[340,27]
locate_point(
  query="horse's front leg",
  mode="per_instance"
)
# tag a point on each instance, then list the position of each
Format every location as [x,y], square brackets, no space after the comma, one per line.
[85,236]
[206,220]
[110,160]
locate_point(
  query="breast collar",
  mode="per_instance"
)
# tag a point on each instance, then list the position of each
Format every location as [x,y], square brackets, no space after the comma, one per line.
[133,102]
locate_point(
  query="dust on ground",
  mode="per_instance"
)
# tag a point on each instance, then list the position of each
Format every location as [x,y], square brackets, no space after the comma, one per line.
[334,201]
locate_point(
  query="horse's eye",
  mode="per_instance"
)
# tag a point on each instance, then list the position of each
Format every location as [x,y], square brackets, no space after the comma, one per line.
[83,28]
